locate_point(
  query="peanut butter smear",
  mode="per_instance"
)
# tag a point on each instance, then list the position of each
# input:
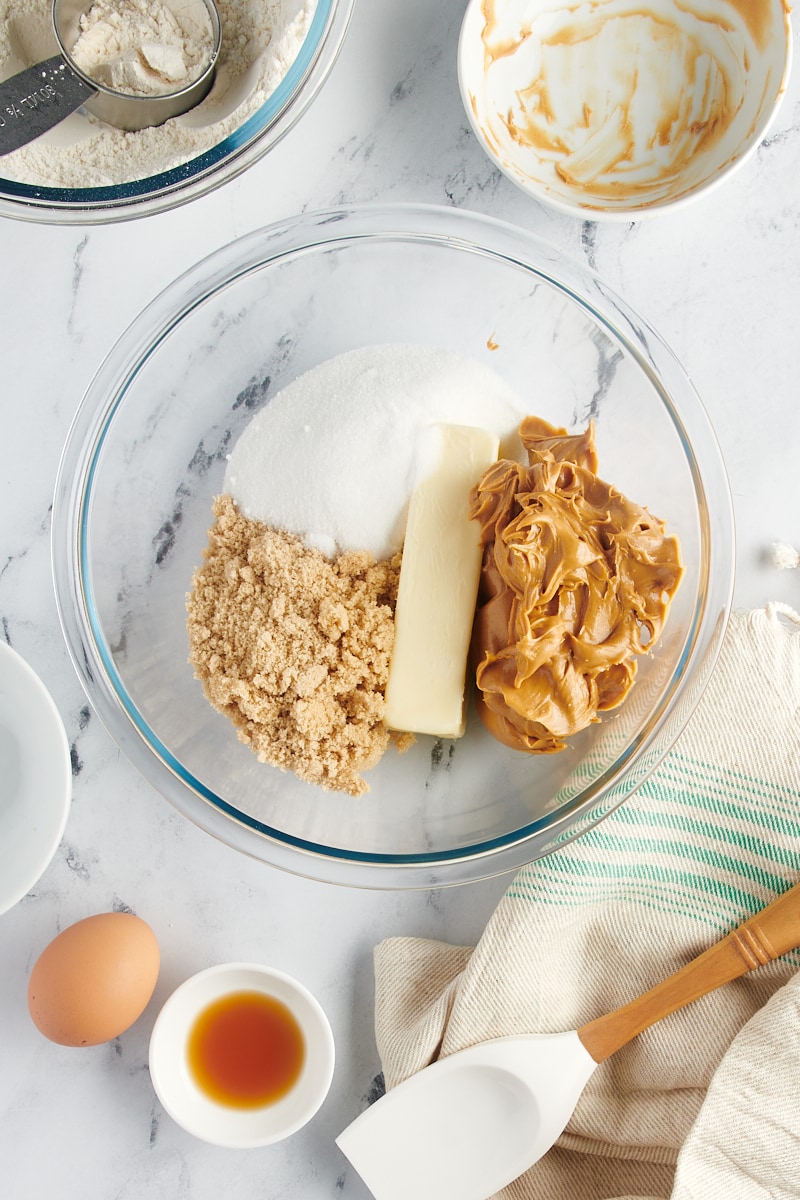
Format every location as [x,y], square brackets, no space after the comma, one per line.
[576,582]
[622,102]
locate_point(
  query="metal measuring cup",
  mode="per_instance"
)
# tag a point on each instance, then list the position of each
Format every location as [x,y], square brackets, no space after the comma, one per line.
[41,96]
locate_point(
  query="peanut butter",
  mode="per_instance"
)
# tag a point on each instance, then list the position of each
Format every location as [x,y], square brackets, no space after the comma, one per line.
[576,583]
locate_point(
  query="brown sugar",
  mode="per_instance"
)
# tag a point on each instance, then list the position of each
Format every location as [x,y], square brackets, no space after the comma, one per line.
[294,647]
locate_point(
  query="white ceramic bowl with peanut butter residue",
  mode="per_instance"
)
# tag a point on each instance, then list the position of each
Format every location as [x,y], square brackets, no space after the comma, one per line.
[622,108]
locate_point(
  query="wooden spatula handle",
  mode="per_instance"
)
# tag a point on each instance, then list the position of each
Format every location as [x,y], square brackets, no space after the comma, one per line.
[757,941]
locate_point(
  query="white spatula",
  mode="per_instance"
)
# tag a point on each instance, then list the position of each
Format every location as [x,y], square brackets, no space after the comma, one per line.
[470,1123]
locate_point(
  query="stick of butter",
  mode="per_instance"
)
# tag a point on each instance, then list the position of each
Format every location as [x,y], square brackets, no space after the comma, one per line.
[438,586]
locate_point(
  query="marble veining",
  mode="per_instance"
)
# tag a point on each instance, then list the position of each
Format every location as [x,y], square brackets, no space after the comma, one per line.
[720,281]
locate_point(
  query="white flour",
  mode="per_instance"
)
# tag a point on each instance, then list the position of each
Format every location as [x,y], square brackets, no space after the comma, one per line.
[139,47]
[260,41]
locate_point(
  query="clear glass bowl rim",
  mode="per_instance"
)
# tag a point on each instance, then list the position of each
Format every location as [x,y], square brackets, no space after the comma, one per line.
[474,233]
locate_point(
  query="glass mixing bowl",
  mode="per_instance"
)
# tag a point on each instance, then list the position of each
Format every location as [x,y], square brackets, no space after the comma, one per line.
[236,151]
[146,455]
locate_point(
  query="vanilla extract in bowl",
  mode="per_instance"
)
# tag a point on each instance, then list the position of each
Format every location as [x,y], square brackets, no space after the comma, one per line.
[245,1049]
[241,1055]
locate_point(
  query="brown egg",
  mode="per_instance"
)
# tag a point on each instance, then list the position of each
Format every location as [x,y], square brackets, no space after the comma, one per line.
[93,980]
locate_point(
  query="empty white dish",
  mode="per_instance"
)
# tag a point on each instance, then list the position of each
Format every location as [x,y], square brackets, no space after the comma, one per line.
[35,777]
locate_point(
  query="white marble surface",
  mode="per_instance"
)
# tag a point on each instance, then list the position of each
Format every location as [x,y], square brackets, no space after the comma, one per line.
[720,281]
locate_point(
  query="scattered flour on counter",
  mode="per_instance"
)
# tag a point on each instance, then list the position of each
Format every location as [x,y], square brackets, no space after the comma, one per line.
[260,41]
[332,458]
[140,48]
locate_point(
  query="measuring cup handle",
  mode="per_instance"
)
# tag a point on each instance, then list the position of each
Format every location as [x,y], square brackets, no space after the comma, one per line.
[36,99]
[757,941]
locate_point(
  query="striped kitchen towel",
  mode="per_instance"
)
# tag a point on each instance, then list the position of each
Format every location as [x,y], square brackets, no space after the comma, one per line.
[705,1104]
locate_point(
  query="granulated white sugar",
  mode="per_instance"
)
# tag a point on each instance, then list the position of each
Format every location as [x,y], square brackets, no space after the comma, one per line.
[260,41]
[332,457]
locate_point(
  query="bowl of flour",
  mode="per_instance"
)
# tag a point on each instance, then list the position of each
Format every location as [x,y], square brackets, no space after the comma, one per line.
[274,57]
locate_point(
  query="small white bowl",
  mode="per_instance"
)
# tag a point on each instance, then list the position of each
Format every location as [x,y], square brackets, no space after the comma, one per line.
[35,777]
[611,108]
[217,1123]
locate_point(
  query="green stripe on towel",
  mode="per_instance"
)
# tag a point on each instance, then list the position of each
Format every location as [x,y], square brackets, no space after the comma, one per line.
[695,841]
